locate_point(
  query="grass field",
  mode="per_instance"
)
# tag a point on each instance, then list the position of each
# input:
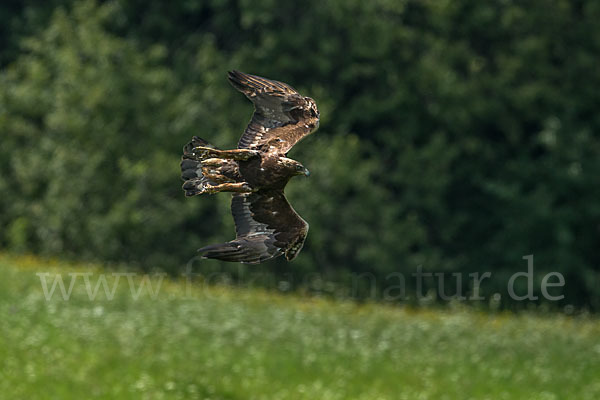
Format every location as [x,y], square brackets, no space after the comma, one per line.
[223,343]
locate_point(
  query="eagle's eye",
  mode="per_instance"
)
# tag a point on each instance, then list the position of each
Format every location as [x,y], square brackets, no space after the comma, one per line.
[299,167]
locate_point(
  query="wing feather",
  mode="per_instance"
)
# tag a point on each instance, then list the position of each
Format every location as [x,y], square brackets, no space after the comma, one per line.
[266,227]
[282,117]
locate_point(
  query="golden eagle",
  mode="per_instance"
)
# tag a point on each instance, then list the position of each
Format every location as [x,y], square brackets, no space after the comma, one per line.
[256,172]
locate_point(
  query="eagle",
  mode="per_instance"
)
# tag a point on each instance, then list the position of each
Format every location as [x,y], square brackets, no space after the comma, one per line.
[256,172]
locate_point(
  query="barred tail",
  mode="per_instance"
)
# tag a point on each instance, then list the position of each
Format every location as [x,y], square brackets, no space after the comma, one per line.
[202,174]
[191,169]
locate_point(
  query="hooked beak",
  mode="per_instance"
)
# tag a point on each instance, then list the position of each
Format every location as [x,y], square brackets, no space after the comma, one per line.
[306,172]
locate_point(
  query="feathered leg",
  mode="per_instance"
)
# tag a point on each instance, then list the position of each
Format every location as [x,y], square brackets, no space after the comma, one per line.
[201,185]
[240,187]
[203,153]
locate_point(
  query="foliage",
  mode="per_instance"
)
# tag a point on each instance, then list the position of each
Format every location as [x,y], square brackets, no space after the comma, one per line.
[456,135]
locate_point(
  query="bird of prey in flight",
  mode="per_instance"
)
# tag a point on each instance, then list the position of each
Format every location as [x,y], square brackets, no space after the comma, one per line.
[256,172]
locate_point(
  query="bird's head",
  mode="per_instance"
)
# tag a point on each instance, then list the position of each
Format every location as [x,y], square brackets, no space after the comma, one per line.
[301,170]
[294,167]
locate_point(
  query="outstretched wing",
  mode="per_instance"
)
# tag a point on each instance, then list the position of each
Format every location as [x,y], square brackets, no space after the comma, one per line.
[282,117]
[266,227]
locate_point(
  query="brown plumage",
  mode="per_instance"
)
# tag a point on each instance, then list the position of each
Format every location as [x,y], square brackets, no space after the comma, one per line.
[256,172]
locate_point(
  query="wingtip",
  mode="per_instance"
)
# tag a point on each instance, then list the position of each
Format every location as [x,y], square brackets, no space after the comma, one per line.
[235,74]
[233,252]
[218,251]
[246,83]
[236,78]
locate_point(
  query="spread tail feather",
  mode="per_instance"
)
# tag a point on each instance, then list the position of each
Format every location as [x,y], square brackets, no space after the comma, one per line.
[191,169]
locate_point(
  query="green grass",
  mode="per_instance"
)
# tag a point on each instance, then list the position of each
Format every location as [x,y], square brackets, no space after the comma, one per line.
[222,343]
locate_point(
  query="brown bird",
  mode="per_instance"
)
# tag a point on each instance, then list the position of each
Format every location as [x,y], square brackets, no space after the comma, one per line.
[256,172]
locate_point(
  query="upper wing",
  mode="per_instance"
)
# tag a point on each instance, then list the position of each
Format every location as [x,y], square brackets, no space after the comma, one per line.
[266,226]
[282,117]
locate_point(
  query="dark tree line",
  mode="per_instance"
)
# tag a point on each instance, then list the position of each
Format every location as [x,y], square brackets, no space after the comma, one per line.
[458,136]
